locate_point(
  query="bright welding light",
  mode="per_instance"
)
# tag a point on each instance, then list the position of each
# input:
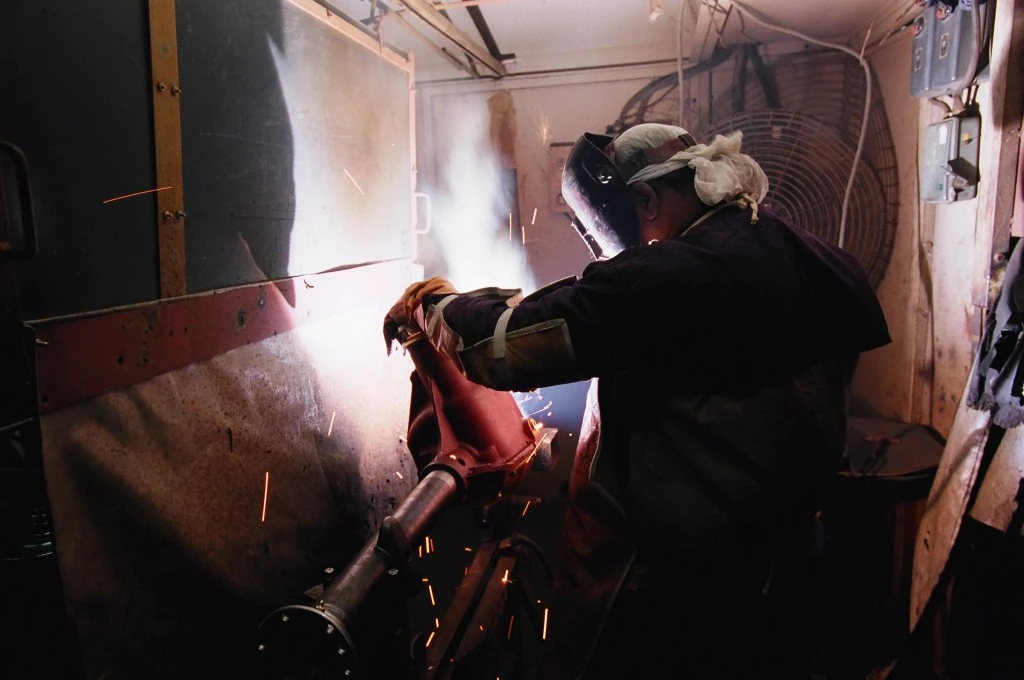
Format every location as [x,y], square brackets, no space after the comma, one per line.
[544,633]
[266,490]
[473,218]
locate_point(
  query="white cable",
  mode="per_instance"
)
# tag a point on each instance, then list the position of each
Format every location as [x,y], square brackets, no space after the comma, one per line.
[867,99]
[679,60]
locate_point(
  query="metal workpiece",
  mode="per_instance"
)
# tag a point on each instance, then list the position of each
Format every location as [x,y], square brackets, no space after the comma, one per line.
[301,641]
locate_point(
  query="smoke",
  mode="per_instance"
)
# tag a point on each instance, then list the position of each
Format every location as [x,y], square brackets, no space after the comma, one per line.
[473,198]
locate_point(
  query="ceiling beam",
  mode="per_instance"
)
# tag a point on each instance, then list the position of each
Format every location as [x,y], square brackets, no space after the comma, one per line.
[426,12]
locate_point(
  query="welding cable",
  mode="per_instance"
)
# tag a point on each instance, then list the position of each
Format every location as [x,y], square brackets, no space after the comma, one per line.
[766,23]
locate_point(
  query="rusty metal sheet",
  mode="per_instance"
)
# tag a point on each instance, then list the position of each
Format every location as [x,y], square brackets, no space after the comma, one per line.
[190,504]
[947,502]
[167,95]
[997,497]
[84,357]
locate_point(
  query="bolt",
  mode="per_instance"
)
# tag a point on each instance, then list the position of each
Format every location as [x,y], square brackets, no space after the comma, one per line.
[167,215]
[161,87]
[175,90]
[329,570]
[999,257]
[180,214]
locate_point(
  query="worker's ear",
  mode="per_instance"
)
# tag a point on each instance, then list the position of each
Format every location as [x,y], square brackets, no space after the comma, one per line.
[645,198]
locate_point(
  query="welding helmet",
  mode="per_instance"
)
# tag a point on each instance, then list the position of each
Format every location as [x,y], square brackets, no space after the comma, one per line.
[597,192]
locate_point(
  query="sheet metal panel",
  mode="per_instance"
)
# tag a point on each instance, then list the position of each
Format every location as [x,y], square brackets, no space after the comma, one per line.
[296,144]
[75,84]
[158,488]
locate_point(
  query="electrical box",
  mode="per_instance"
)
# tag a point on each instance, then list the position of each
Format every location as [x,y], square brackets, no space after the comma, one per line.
[946,45]
[949,163]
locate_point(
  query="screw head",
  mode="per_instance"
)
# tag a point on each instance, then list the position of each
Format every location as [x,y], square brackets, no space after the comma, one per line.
[175,90]
[180,214]
[161,87]
[167,215]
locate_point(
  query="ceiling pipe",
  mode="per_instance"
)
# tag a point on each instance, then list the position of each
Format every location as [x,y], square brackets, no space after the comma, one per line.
[432,17]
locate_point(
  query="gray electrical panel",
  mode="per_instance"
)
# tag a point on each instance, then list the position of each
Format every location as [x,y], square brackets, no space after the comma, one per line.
[945,46]
[949,163]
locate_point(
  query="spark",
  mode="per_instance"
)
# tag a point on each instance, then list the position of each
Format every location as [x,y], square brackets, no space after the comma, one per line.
[266,489]
[330,428]
[399,474]
[426,580]
[510,227]
[534,220]
[421,551]
[354,182]
[465,571]
[481,629]
[430,589]
[523,228]
[137,193]
[437,624]
[526,507]
[468,549]
[545,408]
[511,620]
[504,579]
[430,639]
[544,633]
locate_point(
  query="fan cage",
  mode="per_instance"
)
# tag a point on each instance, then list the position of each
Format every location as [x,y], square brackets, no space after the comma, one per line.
[801,118]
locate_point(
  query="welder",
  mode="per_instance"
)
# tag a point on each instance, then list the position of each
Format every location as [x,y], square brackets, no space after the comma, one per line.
[723,340]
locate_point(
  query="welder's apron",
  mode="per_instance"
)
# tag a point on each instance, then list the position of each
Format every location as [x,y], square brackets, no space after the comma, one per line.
[689,495]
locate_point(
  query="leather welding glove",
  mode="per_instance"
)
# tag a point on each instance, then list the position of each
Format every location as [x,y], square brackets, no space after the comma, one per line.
[408,310]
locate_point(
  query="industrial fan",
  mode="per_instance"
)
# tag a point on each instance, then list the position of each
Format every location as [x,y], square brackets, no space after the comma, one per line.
[801,117]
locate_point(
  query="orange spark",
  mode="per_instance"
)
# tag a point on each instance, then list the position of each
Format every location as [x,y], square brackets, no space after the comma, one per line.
[426,580]
[430,589]
[137,193]
[544,633]
[421,551]
[510,227]
[481,629]
[430,639]
[354,182]
[526,507]
[330,428]
[511,620]
[266,489]
[534,220]
[437,624]
[468,549]
[504,579]
[523,228]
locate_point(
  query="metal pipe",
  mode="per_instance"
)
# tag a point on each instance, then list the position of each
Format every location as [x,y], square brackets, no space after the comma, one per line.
[346,594]
[430,15]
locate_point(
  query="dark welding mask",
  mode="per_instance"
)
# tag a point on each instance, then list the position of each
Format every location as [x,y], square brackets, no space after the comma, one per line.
[596,191]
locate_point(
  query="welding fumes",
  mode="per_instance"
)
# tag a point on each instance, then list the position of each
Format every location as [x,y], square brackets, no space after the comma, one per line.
[472,203]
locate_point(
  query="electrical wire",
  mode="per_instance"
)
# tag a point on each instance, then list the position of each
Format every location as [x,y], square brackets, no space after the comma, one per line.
[766,23]
[679,60]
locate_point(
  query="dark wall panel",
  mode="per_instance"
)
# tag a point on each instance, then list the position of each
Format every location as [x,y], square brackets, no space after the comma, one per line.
[74,95]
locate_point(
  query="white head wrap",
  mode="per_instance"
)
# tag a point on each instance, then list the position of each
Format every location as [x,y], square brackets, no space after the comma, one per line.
[722,173]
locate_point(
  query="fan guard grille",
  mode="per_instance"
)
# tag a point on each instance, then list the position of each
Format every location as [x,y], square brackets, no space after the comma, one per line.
[805,142]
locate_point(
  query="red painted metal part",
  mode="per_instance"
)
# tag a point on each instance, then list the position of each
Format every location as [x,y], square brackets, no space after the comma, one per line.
[484,439]
[83,357]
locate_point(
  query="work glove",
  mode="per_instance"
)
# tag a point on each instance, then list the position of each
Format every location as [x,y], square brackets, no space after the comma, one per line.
[407,311]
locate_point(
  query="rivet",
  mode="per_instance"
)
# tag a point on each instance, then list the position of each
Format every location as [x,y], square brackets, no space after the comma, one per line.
[161,87]
[167,215]
[175,90]
[180,214]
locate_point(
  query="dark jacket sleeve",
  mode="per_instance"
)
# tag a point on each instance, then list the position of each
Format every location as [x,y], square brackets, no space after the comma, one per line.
[734,302]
